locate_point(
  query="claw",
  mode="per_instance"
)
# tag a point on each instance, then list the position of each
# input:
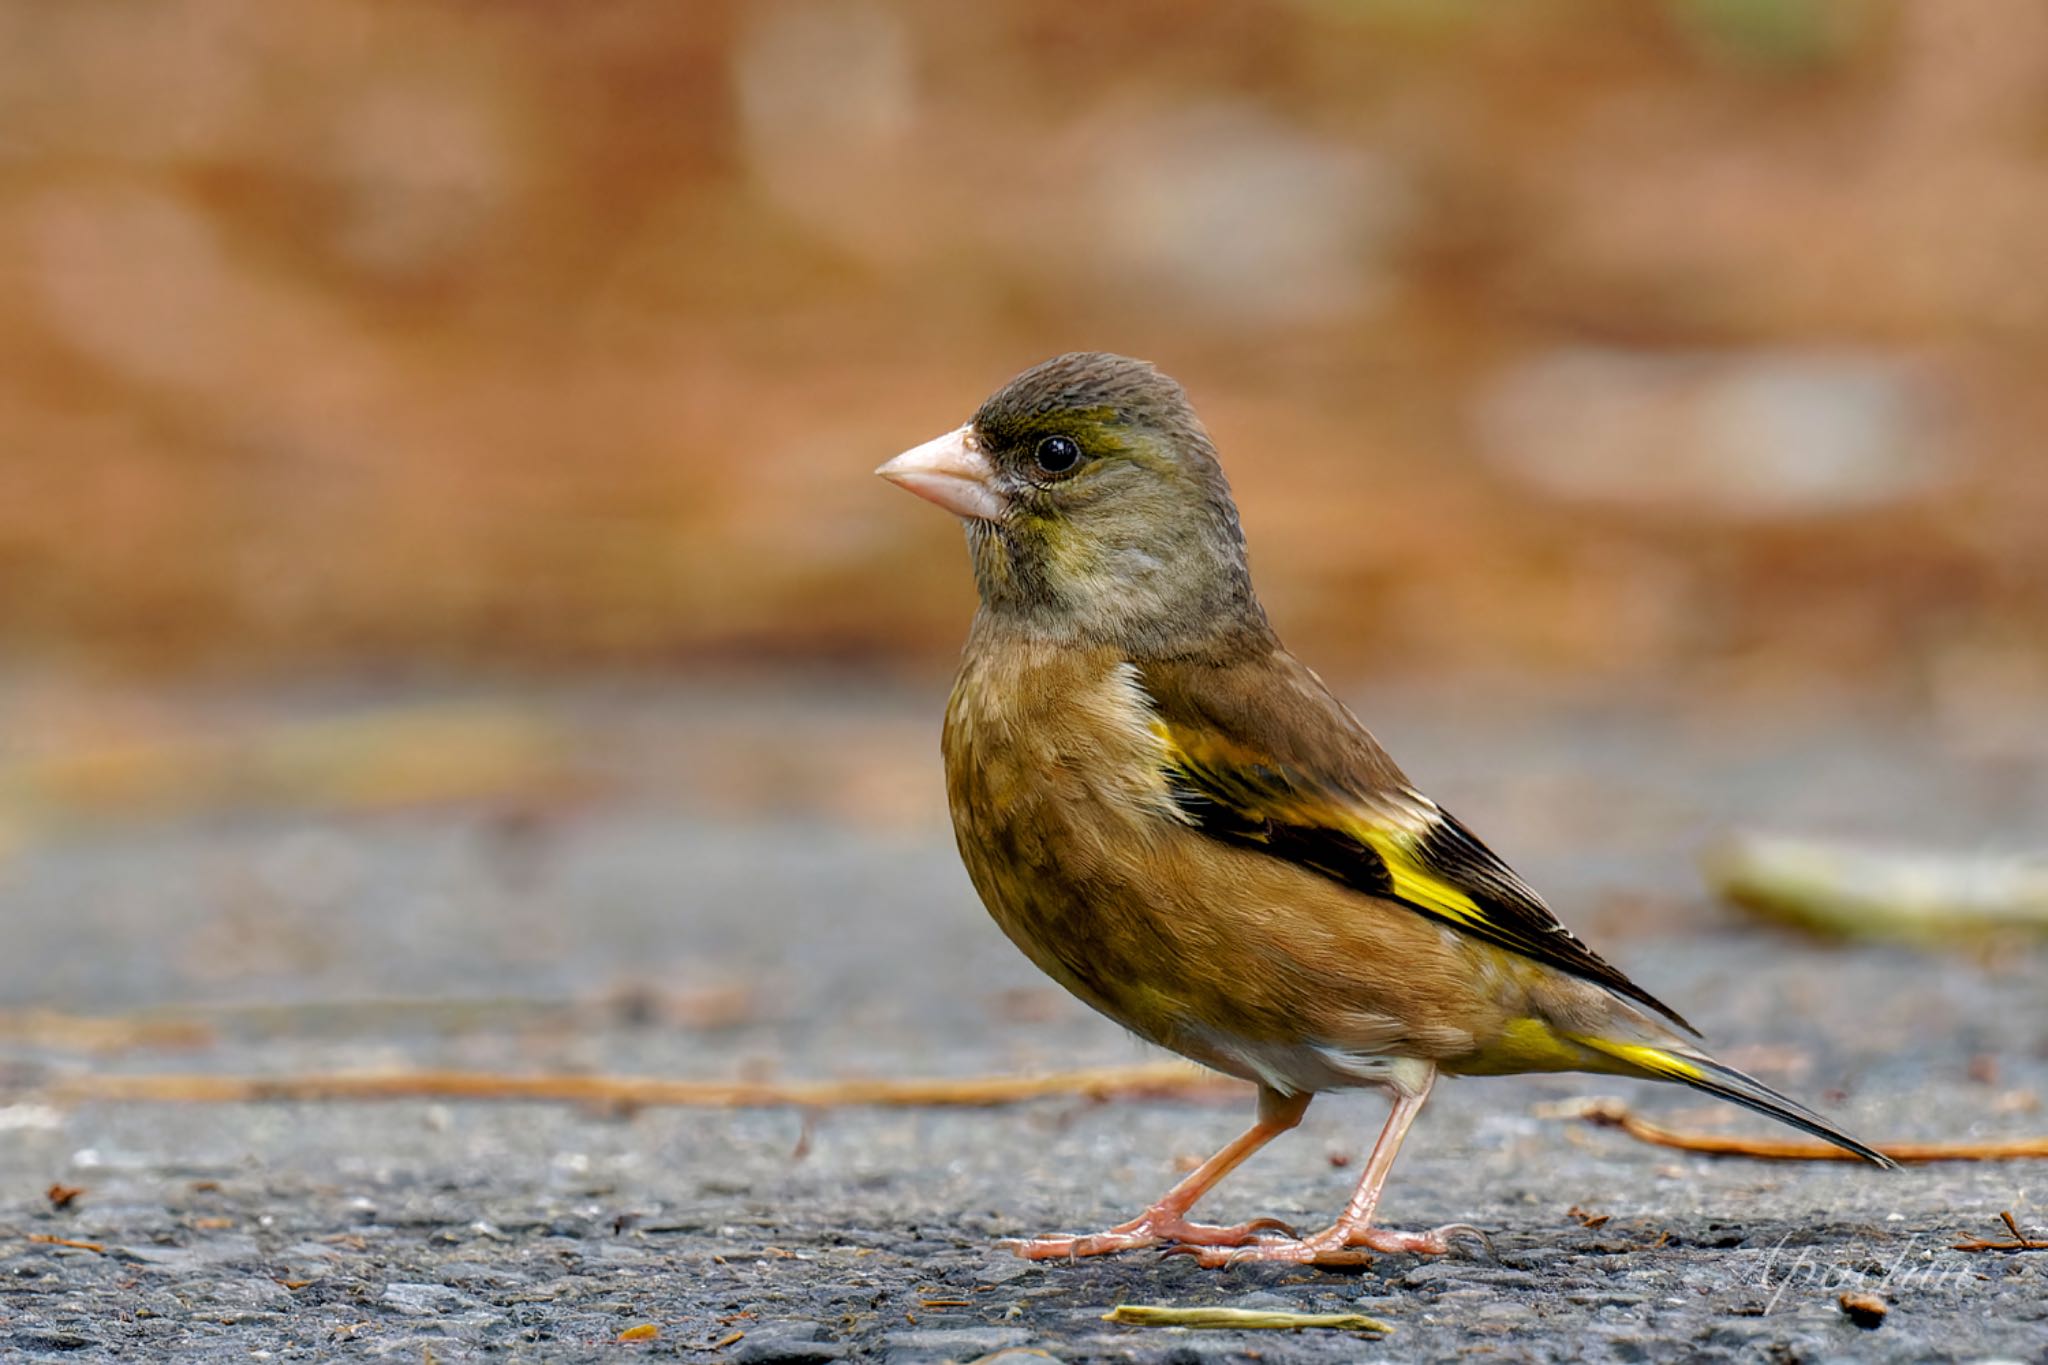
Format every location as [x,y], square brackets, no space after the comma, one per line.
[1259,1225]
[1453,1232]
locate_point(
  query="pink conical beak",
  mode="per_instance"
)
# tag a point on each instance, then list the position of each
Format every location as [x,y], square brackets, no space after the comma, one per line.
[952,472]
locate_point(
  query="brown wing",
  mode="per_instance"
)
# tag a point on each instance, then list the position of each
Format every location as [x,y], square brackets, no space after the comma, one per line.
[1261,755]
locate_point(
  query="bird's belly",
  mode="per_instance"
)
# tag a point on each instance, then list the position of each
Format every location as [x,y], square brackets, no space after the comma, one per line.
[1049,879]
[1240,961]
[1122,908]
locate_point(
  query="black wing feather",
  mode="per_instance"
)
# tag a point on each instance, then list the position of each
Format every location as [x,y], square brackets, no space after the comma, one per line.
[1237,806]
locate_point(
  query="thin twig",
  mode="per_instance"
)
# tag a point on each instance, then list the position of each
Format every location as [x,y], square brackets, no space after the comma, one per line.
[1609,1113]
[50,1029]
[2020,1241]
[1154,1081]
[203,1025]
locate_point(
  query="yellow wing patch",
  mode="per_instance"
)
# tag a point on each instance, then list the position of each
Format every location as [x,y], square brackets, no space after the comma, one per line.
[1413,882]
[1390,841]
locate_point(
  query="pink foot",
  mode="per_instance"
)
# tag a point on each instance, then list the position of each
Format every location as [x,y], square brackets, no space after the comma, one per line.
[1312,1251]
[1435,1242]
[1334,1248]
[1146,1230]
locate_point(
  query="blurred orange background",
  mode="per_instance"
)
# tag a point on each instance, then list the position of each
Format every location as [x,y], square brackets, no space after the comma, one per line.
[1698,341]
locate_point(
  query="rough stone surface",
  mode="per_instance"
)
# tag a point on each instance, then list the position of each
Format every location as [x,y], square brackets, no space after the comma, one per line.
[541,1232]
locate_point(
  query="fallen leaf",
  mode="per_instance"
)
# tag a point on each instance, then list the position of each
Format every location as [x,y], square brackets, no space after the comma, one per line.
[1240,1319]
[1843,891]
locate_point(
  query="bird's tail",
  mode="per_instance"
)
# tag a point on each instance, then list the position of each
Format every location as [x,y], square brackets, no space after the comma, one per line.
[1702,1072]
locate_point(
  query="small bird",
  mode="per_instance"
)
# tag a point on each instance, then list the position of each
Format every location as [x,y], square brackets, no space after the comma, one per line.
[1175,819]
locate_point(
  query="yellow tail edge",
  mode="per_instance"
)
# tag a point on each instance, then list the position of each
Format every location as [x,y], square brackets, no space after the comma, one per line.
[1705,1074]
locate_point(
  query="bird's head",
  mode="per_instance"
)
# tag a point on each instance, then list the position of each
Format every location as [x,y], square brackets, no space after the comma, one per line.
[1095,507]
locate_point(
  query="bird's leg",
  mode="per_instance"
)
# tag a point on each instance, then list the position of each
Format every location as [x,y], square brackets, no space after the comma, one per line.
[1166,1221]
[1339,1243]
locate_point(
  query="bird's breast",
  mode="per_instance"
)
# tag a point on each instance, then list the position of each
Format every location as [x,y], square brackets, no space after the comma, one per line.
[1028,728]
[1056,780]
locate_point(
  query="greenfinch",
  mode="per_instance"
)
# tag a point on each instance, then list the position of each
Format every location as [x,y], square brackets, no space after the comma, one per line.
[1174,818]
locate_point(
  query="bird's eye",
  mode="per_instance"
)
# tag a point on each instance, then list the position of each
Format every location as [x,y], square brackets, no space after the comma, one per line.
[1058,454]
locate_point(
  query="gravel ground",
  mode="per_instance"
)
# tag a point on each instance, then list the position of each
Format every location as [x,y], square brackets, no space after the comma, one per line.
[539,1232]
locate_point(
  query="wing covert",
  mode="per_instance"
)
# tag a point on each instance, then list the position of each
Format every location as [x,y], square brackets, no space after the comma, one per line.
[1381,838]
